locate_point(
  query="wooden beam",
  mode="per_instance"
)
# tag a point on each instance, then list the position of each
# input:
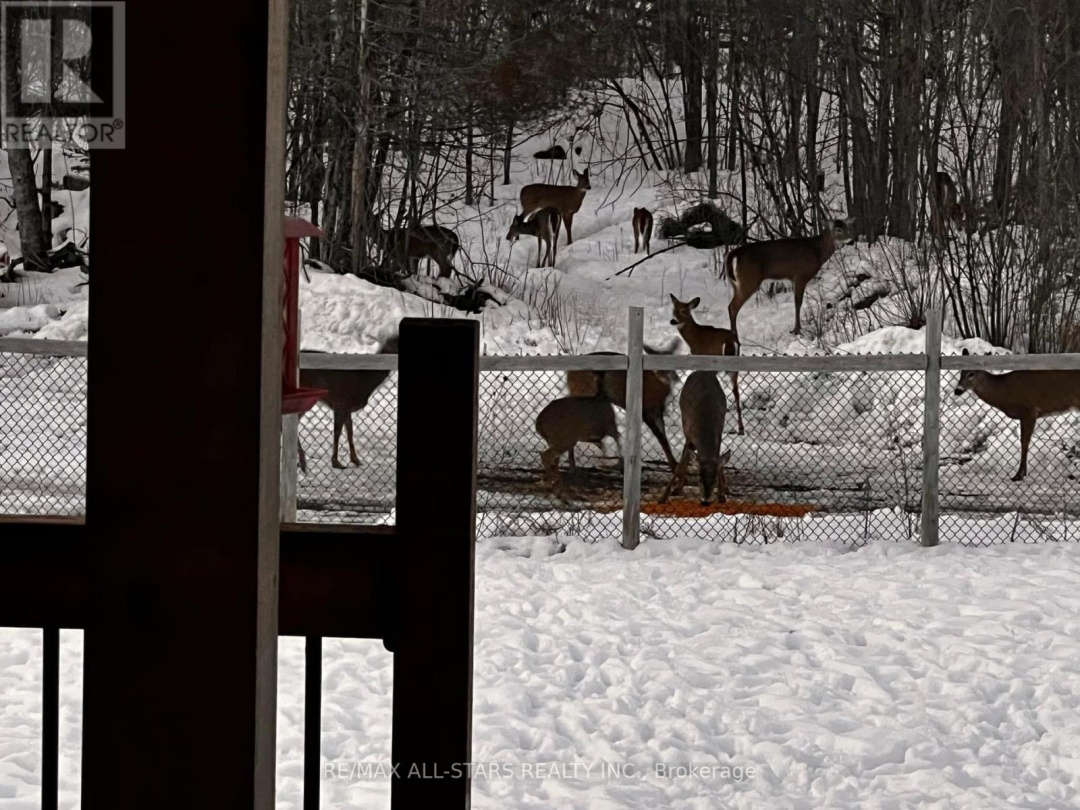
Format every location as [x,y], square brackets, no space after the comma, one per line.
[182,504]
[432,627]
[333,579]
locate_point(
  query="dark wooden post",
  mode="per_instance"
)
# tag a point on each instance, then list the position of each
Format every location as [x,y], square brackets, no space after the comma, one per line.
[182,454]
[432,612]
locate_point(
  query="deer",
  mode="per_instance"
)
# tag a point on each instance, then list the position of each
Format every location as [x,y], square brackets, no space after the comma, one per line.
[544,225]
[348,391]
[643,222]
[655,391]
[409,245]
[568,420]
[705,339]
[567,199]
[704,409]
[1025,395]
[796,259]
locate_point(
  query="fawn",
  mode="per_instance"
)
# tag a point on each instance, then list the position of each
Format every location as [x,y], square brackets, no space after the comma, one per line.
[704,408]
[705,339]
[568,420]
[544,225]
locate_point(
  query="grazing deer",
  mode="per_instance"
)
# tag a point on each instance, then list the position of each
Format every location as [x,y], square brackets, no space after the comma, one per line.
[544,225]
[408,246]
[704,409]
[568,420]
[567,199]
[705,339]
[348,391]
[655,391]
[1025,395]
[643,221]
[795,259]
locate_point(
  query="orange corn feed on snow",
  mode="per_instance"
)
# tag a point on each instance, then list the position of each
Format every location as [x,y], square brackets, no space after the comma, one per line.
[689,509]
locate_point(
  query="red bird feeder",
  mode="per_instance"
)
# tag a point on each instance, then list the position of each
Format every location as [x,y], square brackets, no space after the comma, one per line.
[295,399]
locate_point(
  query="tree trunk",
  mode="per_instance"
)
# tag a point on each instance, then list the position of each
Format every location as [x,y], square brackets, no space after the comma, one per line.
[32,239]
[506,153]
[692,81]
[711,100]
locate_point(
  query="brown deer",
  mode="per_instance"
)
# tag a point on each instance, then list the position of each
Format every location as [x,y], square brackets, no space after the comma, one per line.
[705,339]
[704,409]
[655,391]
[795,259]
[544,225]
[1025,395]
[568,420]
[407,246]
[567,199]
[643,221]
[348,392]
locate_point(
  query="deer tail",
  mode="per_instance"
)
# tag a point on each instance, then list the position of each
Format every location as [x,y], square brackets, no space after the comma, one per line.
[729,265]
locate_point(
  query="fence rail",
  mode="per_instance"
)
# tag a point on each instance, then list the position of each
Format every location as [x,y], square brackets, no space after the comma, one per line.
[843,446]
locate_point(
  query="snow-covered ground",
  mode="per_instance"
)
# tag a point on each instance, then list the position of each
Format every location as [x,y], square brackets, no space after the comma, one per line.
[889,676]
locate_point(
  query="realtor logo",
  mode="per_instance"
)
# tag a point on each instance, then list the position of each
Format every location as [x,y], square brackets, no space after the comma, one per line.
[62,74]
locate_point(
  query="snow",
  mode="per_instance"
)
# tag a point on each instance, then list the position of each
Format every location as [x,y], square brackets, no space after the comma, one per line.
[888,676]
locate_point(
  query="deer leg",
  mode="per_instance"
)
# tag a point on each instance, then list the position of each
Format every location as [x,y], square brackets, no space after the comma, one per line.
[738,403]
[1027,427]
[635,236]
[568,220]
[339,422]
[739,296]
[352,448]
[300,454]
[655,423]
[677,475]
[800,288]
[539,250]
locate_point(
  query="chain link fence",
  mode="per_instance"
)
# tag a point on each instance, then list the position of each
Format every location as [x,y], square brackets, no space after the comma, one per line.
[825,455]
[42,433]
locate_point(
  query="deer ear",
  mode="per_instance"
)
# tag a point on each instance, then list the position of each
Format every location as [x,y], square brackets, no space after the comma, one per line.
[965,353]
[674,300]
[694,303]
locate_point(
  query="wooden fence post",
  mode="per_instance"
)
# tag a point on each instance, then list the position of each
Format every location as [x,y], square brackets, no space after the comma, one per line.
[431,609]
[632,436]
[928,536]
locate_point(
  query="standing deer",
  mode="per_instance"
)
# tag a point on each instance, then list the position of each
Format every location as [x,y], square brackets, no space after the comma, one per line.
[1025,395]
[705,339]
[407,246]
[544,225]
[567,199]
[655,391]
[704,409]
[568,420]
[348,391]
[643,221]
[796,260]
